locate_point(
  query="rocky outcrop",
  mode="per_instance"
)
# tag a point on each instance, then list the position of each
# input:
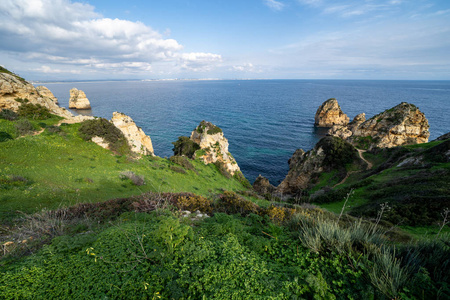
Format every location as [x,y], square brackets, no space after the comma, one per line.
[45,92]
[262,186]
[401,125]
[13,87]
[329,114]
[214,145]
[330,153]
[139,142]
[78,100]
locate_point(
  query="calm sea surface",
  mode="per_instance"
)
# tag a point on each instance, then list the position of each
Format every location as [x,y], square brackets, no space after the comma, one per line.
[265,121]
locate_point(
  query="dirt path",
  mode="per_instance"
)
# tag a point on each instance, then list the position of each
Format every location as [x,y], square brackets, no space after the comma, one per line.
[369,166]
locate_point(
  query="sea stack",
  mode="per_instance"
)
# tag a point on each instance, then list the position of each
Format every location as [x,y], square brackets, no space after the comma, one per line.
[139,142]
[329,114]
[214,145]
[78,100]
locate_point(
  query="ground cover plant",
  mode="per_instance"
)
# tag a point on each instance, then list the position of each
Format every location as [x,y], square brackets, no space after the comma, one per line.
[252,254]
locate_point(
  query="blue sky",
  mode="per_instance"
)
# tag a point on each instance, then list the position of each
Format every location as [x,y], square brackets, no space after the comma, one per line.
[285,39]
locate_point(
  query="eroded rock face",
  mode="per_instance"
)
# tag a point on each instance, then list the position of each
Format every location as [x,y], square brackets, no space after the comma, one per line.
[211,140]
[137,139]
[329,114]
[330,153]
[78,100]
[401,125]
[45,92]
[11,87]
[262,186]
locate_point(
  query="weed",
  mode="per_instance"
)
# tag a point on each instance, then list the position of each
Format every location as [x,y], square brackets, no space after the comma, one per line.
[137,180]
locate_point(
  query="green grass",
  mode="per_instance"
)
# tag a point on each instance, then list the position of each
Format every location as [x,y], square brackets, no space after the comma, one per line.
[66,170]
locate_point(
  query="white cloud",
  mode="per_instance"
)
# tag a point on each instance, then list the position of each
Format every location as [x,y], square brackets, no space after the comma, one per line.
[198,61]
[274,5]
[247,67]
[50,70]
[72,33]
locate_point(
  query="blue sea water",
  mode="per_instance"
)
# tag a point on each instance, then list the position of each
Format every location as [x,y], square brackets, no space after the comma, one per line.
[265,121]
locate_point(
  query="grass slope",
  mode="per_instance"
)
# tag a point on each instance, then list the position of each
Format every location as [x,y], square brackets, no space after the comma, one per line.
[61,169]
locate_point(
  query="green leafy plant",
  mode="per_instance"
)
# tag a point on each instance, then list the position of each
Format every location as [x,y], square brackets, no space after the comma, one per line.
[185,146]
[8,114]
[34,111]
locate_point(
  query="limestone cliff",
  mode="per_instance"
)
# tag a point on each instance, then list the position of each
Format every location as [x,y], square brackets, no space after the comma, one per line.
[330,153]
[214,145]
[13,87]
[78,100]
[137,139]
[45,92]
[329,114]
[401,125]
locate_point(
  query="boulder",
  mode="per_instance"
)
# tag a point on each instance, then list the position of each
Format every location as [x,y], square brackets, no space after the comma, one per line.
[13,87]
[403,124]
[262,186]
[45,92]
[78,100]
[329,114]
[214,146]
[139,142]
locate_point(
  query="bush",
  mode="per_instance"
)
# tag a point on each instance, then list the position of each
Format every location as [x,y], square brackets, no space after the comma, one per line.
[8,114]
[103,128]
[182,161]
[137,180]
[212,129]
[241,178]
[222,169]
[4,136]
[194,203]
[185,146]
[230,202]
[34,111]
[24,127]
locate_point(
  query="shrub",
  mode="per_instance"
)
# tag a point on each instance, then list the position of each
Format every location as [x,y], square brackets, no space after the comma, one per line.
[185,146]
[137,180]
[230,202]
[178,169]
[22,100]
[194,203]
[34,111]
[222,169]
[24,127]
[212,129]
[4,136]
[241,178]
[182,161]
[103,128]
[54,129]
[8,114]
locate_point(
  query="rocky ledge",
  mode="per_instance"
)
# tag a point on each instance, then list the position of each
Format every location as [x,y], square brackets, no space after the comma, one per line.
[78,100]
[139,142]
[403,124]
[13,87]
[214,145]
[45,92]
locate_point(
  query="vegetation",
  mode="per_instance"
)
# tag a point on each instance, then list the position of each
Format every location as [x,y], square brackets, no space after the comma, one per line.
[185,146]
[111,134]
[34,111]
[212,129]
[3,70]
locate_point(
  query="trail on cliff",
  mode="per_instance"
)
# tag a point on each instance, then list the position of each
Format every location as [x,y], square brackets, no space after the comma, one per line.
[369,166]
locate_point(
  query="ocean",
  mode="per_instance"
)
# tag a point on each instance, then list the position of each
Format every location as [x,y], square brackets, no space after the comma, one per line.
[265,121]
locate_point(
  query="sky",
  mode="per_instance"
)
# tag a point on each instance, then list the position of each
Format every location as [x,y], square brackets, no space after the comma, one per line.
[232,39]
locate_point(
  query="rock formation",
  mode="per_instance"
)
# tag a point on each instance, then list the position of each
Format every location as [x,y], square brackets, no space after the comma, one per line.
[262,186]
[401,125]
[330,153]
[137,139]
[13,87]
[214,145]
[329,114]
[78,100]
[45,92]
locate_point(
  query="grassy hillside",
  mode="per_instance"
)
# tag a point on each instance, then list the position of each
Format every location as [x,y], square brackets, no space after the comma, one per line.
[58,168]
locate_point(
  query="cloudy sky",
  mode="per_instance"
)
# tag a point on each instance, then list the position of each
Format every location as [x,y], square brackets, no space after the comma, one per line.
[286,39]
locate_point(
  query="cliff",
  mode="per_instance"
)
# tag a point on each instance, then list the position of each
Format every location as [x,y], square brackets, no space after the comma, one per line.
[403,124]
[214,145]
[45,92]
[329,114]
[78,100]
[139,142]
[13,87]
[330,153]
